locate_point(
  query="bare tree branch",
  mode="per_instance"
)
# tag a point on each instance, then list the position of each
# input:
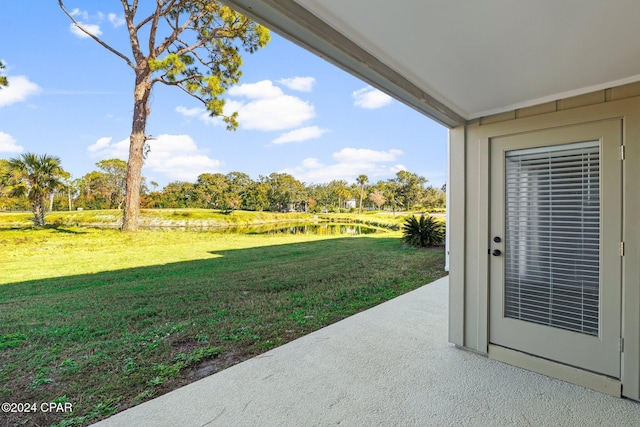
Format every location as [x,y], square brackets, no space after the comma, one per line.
[103,44]
[160,6]
[214,34]
[125,5]
[176,32]
[202,61]
[142,23]
[154,28]
[199,98]
[133,31]
[161,79]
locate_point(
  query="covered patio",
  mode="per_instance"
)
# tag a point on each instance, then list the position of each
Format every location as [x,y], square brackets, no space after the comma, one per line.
[390,365]
[528,84]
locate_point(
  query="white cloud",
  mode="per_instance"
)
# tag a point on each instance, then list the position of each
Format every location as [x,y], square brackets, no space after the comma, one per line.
[91,23]
[175,156]
[268,109]
[101,144]
[302,134]
[82,14]
[92,28]
[8,144]
[200,114]
[365,155]
[190,112]
[185,167]
[178,157]
[104,149]
[370,98]
[311,163]
[18,90]
[350,162]
[279,113]
[302,84]
[116,20]
[260,90]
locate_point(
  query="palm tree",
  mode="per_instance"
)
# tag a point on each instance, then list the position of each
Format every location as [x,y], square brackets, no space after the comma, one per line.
[423,232]
[36,177]
[361,180]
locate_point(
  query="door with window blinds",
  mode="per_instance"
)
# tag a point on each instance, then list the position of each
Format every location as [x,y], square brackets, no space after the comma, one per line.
[555,245]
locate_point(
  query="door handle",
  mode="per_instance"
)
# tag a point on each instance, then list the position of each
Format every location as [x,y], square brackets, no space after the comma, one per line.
[496,252]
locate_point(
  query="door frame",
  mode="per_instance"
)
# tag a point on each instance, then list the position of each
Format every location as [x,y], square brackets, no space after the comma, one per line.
[469,163]
[508,332]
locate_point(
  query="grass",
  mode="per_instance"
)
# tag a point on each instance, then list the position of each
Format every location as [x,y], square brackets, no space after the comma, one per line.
[106,320]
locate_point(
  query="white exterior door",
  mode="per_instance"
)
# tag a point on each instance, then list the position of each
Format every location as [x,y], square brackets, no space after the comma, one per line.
[555,244]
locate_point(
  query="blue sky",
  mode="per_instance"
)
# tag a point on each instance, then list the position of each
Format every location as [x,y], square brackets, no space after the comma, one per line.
[298,114]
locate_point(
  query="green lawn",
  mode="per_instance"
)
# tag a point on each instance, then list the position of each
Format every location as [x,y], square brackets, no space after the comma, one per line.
[105,320]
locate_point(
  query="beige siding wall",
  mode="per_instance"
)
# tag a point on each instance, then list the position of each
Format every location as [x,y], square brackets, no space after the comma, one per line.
[469,213]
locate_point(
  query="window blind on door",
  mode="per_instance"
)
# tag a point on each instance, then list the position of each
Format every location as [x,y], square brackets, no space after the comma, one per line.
[552,236]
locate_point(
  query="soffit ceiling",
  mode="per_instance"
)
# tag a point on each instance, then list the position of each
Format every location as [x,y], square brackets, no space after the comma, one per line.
[470,58]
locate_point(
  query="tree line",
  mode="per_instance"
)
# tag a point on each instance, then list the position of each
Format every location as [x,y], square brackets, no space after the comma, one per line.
[39,183]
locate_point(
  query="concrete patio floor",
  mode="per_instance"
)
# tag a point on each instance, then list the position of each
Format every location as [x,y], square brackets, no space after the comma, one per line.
[388,366]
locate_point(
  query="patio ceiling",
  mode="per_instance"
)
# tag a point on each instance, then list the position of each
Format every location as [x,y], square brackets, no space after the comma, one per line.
[459,60]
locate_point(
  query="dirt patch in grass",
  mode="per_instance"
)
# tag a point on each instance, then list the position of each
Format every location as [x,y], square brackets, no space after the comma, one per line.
[215,365]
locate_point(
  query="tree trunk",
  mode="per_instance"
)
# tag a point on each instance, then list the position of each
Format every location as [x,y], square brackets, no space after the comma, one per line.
[136,154]
[38,212]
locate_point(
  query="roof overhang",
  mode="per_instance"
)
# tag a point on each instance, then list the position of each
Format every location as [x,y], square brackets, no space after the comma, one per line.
[456,61]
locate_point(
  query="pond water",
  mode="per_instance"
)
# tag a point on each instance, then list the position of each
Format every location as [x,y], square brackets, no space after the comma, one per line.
[320,229]
[284,228]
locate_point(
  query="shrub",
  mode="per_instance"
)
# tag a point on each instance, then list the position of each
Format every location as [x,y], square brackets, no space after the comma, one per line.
[422,232]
